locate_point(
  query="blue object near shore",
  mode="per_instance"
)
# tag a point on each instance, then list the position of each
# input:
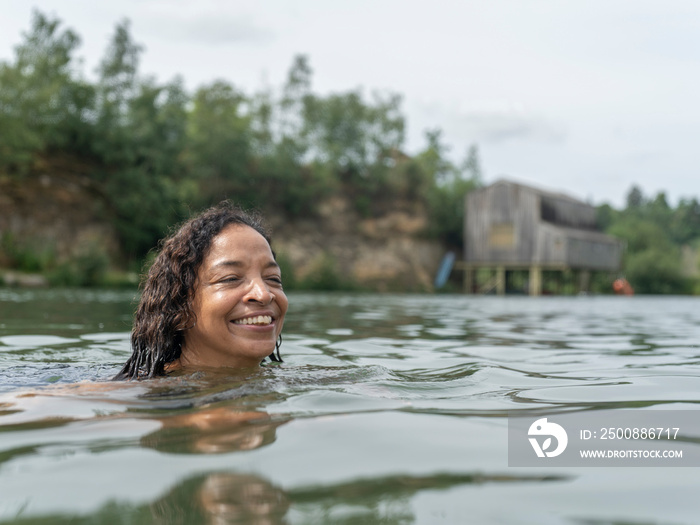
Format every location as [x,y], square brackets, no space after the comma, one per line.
[445,269]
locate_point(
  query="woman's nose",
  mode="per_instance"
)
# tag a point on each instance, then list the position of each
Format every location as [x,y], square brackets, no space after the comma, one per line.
[259,292]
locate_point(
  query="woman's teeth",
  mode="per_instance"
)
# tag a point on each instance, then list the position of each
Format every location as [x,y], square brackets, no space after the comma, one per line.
[260,319]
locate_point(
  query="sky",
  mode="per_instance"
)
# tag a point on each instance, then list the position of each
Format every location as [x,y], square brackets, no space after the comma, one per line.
[584,97]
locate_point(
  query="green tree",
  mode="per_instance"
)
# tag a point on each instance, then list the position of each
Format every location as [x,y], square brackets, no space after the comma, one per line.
[148,187]
[19,141]
[140,137]
[355,140]
[606,215]
[296,96]
[219,136]
[655,271]
[652,261]
[41,105]
[118,85]
[472,164]
[635,197]
[315,144]
[685,223]
[450,184]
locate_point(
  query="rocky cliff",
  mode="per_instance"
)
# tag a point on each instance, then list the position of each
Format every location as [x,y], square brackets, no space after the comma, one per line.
[61,217]
[53,217]
[385,253]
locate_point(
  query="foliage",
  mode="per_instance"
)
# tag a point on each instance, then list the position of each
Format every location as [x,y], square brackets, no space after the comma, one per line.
[325,276]
[42,101]
[29,256]
[657,272]
[654,233]
[287,270]
[218,149]
[86,268]
[155,151]
[446,187]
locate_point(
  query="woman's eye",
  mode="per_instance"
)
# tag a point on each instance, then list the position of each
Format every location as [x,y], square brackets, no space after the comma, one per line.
[229,280]
[275,279]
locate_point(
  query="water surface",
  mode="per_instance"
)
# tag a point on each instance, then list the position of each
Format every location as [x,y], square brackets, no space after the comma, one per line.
[387,409]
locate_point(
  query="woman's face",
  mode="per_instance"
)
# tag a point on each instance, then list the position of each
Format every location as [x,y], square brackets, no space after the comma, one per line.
[239,304]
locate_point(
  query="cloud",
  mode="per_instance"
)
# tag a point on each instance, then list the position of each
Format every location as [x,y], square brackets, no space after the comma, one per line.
[492,122]
[210,28]
[501,127]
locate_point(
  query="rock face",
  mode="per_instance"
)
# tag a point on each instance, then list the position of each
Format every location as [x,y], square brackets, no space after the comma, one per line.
[385,253]
[54,217]
[61,217]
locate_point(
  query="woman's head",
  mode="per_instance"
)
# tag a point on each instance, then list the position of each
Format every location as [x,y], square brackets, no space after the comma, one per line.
[213,297]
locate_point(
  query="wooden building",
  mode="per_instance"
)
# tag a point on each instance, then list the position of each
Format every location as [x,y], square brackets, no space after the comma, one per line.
[510,226]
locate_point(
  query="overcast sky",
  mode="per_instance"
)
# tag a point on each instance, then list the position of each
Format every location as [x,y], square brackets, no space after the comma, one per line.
[586,97]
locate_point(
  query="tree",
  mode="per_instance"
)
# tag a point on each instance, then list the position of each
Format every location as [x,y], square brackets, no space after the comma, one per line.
[652,261]
[685,223]
[296,94]
[147,187]
[434,159]
[472,164]
[656,271]
[606,215]
[635,197]
[219,143]
[41,105]
[350,135]
[446,195]
[118,85]
[118,69]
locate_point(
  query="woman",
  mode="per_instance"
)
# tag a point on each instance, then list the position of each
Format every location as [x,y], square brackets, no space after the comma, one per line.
[212,298]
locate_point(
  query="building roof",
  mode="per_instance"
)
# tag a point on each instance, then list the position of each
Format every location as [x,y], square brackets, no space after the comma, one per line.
[549,193]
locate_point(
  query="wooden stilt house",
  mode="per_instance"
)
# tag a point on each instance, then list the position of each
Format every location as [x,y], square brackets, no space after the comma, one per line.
[509,226]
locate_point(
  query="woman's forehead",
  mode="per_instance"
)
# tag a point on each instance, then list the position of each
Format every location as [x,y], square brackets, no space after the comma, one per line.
[238,242]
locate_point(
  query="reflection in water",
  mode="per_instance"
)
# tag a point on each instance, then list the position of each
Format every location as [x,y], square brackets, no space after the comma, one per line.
[388,409]
[212,431]
[228,498]
[218,498]
[222,498]
[237,498]
[386,500]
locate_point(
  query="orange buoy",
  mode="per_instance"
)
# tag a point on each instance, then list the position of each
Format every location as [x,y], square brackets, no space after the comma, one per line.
[622,287]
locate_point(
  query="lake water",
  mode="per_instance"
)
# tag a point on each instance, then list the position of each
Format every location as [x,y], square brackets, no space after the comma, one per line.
[388,409]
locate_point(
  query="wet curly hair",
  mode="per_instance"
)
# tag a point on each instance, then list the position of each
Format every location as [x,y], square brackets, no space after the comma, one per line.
[165,311]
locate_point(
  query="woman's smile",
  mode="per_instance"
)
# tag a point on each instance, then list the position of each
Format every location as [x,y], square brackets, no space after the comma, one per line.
[256,320]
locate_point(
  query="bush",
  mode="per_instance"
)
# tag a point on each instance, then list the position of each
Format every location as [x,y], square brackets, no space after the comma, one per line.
[325,276]
[287,270]
[88,268]
[28,255]
[656,272]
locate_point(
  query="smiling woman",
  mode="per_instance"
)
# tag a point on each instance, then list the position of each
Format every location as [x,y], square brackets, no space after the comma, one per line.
[212,298]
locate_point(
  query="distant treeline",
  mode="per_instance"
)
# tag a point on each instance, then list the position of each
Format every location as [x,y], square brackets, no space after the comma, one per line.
[663,242]
[156,152]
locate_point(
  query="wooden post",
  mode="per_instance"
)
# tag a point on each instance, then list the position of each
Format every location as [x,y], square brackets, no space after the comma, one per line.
[584,281]
[535,281]
[500,280]
[469,279]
